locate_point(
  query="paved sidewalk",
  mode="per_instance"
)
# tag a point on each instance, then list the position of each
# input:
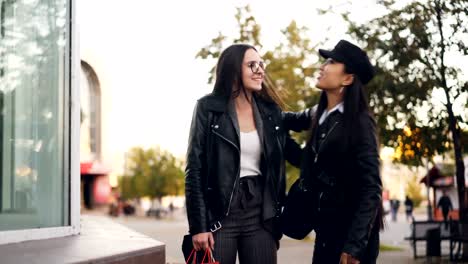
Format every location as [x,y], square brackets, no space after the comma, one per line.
[172,229]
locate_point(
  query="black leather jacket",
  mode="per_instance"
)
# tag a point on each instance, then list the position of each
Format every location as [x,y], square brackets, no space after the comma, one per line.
[213,160]
[347,179]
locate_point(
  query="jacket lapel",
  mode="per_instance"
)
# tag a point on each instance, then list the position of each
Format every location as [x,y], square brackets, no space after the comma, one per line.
[333,134]
[265,125]
[258,121]
[233,117]
[225,124]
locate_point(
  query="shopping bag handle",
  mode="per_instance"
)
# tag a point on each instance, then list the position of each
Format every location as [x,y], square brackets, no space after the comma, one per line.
[194,256]
[210,256]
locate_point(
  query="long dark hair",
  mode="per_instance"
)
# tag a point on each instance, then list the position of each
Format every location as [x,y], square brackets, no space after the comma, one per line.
[228,82]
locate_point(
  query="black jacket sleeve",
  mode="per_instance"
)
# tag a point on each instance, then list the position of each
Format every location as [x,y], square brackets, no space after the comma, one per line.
[196,157]
[293,152]
[370,187]
[298,121]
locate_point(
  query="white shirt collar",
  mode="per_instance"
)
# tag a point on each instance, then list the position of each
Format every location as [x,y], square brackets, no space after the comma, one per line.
[326,113]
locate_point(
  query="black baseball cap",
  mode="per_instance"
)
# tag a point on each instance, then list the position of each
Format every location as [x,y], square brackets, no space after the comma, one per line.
[353,57]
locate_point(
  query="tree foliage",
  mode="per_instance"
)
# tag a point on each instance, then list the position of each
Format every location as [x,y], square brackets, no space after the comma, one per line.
[414,190]
[420,93]
[153,172]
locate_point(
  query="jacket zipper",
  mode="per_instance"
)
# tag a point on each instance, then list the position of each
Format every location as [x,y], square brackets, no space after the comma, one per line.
[320,199]
[321,145]
[316,158]
[238,169]
[281,150]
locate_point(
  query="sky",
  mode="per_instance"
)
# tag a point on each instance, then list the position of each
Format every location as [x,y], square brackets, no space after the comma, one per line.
[144,54]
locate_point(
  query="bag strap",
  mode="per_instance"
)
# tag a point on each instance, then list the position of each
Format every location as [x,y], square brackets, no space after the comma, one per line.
[194,254]
[210,256]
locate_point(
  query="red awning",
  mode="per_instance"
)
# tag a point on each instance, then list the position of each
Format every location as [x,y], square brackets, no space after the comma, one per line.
[433,174]
[439,180]
[443,182]
[93,168]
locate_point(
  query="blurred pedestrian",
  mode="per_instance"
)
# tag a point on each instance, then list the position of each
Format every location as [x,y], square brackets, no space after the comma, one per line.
[409,206]
[394,206]
[171,207]
[445,204]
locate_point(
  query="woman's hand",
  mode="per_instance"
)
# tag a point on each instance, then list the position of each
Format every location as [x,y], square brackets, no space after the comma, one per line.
[348,259]
[203,241]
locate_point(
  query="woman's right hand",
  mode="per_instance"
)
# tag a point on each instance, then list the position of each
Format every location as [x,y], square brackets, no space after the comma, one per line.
[203,241]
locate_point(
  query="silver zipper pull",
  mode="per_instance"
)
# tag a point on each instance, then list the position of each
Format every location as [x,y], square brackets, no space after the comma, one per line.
[316,158]
[320,199]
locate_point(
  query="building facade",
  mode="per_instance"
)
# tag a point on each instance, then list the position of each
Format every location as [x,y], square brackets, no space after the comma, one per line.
[95,187]
[40,146]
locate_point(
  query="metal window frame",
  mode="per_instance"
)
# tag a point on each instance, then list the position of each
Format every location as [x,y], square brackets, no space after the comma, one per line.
[72,168]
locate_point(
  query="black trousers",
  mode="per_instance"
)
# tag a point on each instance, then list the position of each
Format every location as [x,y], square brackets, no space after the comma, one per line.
[242,230]
[330,239]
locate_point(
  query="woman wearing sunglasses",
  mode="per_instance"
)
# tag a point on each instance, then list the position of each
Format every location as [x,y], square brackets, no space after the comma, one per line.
[235,174]
[341,160]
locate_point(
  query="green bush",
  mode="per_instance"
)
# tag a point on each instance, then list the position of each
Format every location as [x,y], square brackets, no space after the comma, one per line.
[414,190]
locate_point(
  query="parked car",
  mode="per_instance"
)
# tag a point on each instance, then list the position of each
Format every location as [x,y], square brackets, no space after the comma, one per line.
[157,212]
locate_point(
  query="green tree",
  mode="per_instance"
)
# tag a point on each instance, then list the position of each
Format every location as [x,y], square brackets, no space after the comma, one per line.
[249,32]
[411,46]
[127,187]
[153,172]
[290,65]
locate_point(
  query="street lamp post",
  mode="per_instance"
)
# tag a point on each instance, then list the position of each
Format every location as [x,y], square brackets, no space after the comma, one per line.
[429,205]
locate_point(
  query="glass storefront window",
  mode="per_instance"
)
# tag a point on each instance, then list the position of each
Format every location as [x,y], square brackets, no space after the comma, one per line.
[34,128]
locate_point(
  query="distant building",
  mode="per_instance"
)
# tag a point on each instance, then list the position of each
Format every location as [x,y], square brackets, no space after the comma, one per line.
[95,187]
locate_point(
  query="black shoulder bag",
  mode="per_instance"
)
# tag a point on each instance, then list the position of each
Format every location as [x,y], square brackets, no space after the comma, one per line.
[300,210]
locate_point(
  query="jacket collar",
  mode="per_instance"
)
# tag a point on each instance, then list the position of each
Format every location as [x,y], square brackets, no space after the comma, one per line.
[264,106]
[216,103]
[339,107]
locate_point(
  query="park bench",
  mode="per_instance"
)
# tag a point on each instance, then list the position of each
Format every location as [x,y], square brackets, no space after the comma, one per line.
[456,241]
[419,232]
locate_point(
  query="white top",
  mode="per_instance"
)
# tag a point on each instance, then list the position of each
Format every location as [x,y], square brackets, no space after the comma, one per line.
[250,153]
[326,113]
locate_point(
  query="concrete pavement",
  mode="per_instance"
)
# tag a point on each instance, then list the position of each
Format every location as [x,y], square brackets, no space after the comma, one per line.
[172,229]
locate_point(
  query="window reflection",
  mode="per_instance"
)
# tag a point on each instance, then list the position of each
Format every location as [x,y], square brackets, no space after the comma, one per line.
[33,90]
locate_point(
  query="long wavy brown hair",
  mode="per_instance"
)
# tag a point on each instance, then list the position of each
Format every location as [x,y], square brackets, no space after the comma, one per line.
[228,82]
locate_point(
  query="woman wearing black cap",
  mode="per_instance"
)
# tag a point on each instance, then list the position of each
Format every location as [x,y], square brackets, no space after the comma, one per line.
[341,160]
